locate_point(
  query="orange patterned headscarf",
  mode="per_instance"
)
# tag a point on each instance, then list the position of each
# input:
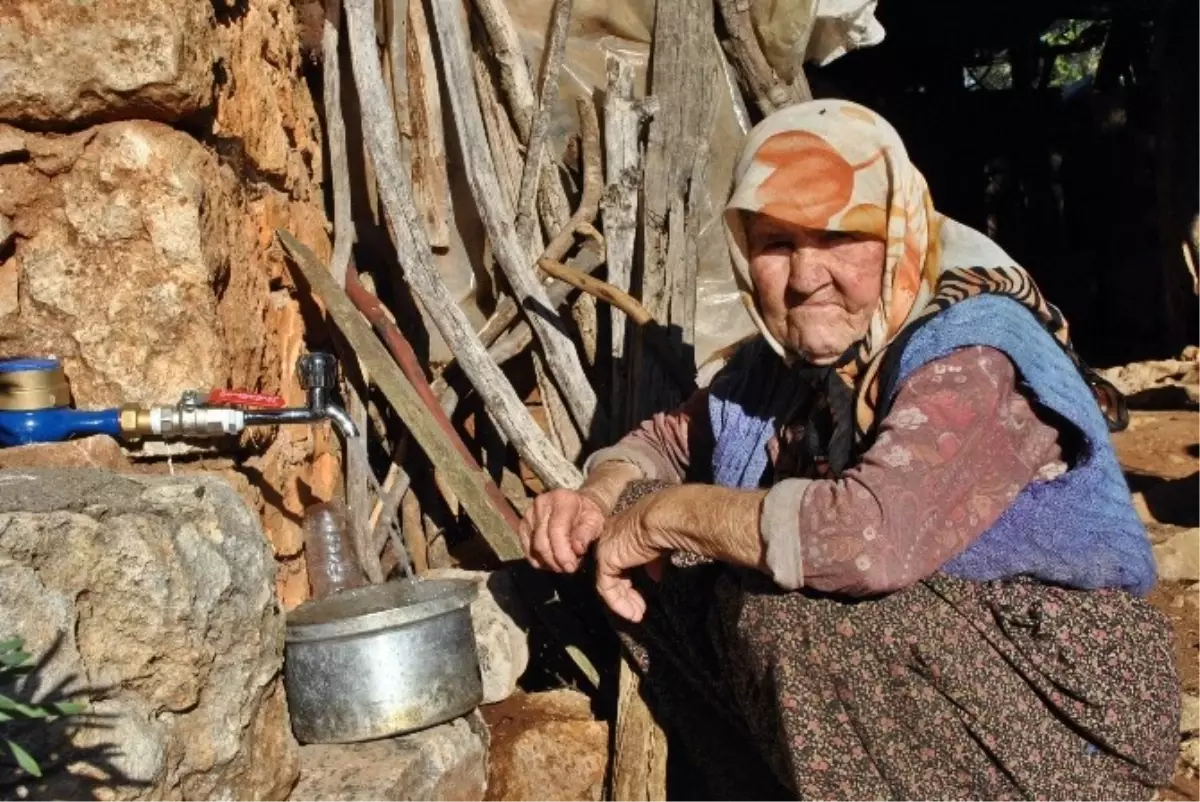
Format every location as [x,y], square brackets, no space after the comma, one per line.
[837,166]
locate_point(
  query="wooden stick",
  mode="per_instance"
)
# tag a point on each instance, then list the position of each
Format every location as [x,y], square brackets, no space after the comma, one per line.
[395,484]
[397,53]
[406,358]
[562,430]
[651,328]
[413,250]
[497,217]
[593,182]
[505,148]
[1191,266]
[431,182]
[552,59]
[639,762]
[414,532]
[769,91]
[740,112]
[515,79]
[335,135]
[343,242]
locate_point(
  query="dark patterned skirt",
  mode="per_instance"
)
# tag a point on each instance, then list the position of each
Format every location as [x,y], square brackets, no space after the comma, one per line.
[946,690]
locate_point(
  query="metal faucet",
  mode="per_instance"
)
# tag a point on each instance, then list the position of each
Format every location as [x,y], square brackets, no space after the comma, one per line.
[317,374]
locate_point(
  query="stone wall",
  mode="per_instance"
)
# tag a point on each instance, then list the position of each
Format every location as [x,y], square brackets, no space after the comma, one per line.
[148,150]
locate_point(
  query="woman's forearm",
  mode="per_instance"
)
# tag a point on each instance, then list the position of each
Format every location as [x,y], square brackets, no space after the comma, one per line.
[716,522]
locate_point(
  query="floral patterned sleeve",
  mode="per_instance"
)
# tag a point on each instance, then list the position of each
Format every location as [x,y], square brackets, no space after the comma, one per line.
[959,444]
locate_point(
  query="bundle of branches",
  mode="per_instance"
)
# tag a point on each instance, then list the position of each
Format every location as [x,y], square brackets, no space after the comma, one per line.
[598,369]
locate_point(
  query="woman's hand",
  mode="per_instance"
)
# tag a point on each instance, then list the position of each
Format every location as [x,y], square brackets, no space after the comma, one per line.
[628,542]
[715,522]
[559,527]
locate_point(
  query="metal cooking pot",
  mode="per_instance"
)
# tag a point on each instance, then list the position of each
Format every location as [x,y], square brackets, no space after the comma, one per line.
[381,660]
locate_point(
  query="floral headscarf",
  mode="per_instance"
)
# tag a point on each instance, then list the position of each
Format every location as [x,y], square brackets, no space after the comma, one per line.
[837,166]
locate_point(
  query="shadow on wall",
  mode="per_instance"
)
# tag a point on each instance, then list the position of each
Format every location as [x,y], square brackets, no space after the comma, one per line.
[73,752]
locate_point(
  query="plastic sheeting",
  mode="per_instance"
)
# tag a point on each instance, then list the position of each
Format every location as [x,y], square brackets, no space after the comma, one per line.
[624,27]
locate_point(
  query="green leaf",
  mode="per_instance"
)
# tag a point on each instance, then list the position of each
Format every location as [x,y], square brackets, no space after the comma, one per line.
[11,644]
[5,717]
[24,759]
[25,710]
[69,708]
[14,659]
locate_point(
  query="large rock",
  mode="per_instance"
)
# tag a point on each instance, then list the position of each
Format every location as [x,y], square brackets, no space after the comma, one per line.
[68,63]
[153,599]
[113,260]
[499,620]
[99,451]
[444,763]
[546,746]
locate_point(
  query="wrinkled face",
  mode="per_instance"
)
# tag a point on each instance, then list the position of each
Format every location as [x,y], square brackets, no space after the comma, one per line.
[816,289]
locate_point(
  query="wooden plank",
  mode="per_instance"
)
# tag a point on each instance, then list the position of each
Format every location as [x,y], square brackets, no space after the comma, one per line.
[623,176]
[685,66]
[639,763]
[397,61]
[431,182]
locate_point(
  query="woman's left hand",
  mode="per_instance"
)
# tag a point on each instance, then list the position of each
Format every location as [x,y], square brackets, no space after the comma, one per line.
[719,523]
[628,542]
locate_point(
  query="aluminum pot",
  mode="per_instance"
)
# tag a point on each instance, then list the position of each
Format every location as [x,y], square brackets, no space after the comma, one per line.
[381,660]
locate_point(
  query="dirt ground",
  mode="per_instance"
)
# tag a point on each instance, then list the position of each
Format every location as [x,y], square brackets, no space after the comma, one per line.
[1159,453]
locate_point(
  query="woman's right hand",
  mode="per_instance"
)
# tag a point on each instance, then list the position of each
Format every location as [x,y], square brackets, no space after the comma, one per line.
[559,527]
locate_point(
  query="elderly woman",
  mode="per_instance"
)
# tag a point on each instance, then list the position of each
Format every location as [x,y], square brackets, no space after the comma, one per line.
[902,561]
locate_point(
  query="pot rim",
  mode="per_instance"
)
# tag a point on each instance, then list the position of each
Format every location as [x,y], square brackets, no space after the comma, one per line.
[376,608]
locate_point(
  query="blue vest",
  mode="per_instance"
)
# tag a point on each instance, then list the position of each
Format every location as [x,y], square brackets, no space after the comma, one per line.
[1078,530]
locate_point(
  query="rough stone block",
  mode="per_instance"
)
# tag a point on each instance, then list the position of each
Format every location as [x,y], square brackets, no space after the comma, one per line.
[152,598]
[447,762]
[498,618]
[65,64]
[546,746]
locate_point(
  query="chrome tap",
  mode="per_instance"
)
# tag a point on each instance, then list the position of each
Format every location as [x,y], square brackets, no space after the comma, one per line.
[317,374]
[195,416]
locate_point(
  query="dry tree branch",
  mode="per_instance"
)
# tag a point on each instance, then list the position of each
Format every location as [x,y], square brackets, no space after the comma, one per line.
[414,253]
[560,18]
[563,360]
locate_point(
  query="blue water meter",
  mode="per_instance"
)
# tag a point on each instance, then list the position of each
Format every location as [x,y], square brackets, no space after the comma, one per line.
[35,405]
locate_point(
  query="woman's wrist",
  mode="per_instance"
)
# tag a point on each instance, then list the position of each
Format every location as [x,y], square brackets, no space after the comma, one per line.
[606,481]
